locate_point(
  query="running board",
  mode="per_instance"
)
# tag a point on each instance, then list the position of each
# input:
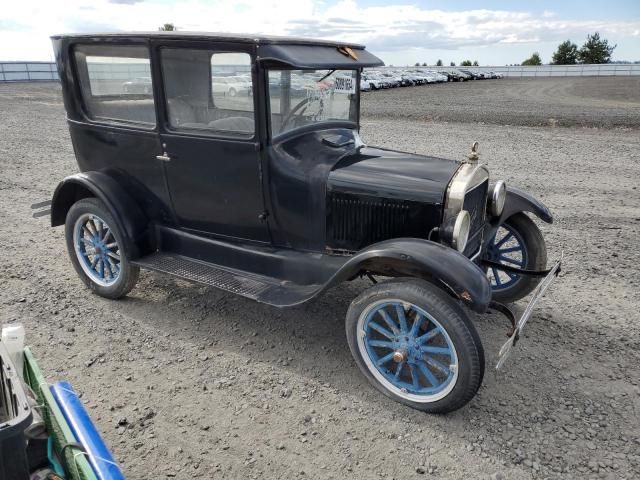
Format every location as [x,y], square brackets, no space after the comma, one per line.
[256,287]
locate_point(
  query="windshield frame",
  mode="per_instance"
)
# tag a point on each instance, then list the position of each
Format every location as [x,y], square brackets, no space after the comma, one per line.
[321,125]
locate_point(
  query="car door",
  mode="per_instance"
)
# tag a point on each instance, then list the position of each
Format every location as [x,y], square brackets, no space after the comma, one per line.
[210,149]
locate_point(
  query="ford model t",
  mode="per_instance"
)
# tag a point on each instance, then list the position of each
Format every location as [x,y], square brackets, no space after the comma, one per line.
[235,161]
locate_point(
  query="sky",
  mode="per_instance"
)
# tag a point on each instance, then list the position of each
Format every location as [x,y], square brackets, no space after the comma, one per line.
[493,32]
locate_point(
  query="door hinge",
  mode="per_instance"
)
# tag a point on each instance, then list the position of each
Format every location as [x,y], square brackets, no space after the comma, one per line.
[263,216]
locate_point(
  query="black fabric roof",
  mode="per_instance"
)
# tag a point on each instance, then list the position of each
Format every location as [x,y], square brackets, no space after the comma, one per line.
[231,37]
[293,51]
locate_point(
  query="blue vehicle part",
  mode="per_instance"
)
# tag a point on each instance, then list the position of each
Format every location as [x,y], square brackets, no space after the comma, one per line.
[53,459]
[97,249]
[428,364]
[509,248]
[85,432]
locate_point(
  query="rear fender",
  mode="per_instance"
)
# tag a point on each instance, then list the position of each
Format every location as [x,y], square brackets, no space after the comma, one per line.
[412,257]
[129,217]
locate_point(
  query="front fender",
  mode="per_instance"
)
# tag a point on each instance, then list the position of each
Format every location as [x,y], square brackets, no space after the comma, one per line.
[520,201]
[126,212]
[412,257]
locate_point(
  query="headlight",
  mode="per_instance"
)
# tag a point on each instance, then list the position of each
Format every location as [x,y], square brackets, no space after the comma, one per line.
[461,231]
[498,197]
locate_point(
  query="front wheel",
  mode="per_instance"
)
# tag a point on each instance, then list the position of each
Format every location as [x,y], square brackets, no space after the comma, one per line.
[517,243]
[96,248]
[416,345]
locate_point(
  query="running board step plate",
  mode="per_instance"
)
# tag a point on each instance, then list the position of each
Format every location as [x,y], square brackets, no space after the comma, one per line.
[208,274]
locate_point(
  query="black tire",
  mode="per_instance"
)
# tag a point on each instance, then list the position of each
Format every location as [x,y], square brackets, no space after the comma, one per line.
[128,274]
[452,318]
[536,250]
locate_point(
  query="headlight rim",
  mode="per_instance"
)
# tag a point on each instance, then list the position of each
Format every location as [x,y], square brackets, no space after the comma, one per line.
[498,198]
[462,223]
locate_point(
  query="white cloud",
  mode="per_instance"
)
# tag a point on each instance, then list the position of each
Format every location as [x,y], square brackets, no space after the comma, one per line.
[393,31]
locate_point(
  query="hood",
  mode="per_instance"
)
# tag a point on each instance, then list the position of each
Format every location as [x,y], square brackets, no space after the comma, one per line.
[395,175]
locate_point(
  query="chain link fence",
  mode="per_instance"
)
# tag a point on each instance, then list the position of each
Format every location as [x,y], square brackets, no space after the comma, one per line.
[28,71]
[46,71]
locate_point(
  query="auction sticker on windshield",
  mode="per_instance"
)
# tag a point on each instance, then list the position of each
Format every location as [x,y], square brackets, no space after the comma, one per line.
[344,85]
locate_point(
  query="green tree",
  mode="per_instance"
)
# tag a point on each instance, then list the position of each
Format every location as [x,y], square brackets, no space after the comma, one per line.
[167,27]
[475,63]
[424,64]
[595,50]
[533,60]
[439,63]
[453,64]
[566,54]
[417,64]
[466,63]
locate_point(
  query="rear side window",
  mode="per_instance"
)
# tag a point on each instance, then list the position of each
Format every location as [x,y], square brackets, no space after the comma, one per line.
[211,92]
[116,85]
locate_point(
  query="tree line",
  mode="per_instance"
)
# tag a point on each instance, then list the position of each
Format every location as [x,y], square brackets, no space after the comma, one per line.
[594,50]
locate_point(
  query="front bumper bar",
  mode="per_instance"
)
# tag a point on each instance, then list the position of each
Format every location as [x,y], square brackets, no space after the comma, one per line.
[504,352]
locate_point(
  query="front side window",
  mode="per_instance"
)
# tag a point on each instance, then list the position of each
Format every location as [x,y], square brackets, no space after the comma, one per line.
[115,82]
[304,97]
[209,92]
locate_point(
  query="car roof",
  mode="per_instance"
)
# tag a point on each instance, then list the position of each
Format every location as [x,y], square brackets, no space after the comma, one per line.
[230,37]
[293,51]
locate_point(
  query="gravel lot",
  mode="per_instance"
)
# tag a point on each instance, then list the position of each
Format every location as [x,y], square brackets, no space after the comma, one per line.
[191,382]
[566,101]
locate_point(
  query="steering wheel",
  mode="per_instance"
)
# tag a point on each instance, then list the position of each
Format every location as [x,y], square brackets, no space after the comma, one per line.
[305,102]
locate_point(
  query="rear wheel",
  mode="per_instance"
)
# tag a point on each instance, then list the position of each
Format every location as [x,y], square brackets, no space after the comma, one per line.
[517,243]
[96,248]
[416,345]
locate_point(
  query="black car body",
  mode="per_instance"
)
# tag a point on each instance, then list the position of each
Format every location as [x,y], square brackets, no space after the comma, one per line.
[271,194]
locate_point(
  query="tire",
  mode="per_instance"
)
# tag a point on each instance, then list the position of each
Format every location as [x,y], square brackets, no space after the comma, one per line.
[112,276]
[449,388]
[531,256]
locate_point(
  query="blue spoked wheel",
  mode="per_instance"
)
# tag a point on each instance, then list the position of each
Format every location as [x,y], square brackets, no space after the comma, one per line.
[96,248]
[408,349]
[507,247]
[416,345]
[517,243]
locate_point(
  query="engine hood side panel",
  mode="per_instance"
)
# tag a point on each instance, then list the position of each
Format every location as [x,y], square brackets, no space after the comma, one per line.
[376,195]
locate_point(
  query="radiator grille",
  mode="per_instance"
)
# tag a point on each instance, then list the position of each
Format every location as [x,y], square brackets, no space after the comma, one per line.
[475,202]
[358,222]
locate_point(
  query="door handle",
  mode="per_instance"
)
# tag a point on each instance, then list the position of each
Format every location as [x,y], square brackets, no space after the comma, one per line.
[164,157]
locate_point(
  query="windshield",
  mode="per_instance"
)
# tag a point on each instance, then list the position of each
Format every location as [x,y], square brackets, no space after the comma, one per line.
[304,97]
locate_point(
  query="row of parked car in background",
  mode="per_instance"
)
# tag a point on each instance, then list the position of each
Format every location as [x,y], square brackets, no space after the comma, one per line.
[407,77]
[240,84]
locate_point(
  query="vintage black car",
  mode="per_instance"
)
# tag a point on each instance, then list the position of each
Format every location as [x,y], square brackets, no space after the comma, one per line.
[272,194]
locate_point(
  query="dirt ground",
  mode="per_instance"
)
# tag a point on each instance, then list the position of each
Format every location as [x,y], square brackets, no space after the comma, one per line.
[566,101]
[190,382]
